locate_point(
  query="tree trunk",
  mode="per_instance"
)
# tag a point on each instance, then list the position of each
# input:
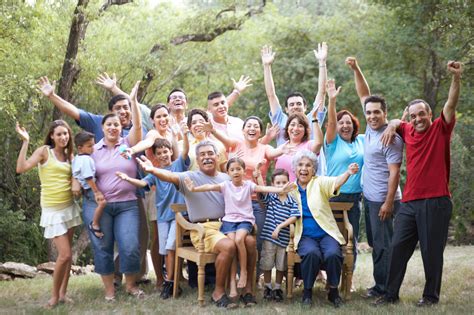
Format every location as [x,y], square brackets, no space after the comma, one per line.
[432,81]
[80,245]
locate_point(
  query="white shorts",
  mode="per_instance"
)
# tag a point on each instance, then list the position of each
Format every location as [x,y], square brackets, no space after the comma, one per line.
[150,205]
[166,236]
[58,222]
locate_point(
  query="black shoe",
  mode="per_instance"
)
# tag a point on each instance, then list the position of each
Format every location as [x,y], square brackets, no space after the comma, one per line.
[248,299]
[268,294]
[307,297]
[424,302]
[307,302]
[383,301]
[334,298]
[372,293]
[167,290]
[224,302]
[278,295]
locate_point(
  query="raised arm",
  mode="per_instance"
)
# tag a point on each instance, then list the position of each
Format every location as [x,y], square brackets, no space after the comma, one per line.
[135,134]
[331,130]
[162,174]
[449,108]
[342,179]
[268,56]
[203,188]
[109,83]
[386,209]
[316,144]
[239,87]
[388,135]
[135,182]
[39,156]
[229,143]
[321,55]
[271,132]
[362,87]
[64,106]
[185,133]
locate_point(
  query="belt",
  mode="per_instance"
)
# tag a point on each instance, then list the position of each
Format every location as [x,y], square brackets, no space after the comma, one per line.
[209,220]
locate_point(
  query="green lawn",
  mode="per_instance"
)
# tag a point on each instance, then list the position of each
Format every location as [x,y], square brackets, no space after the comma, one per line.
[457,294]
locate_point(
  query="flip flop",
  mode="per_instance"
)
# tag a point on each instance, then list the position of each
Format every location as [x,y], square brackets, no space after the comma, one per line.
[95,231]
[139,294]
[225,302]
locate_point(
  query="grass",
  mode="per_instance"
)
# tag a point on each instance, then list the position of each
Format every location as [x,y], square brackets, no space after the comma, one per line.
[457,294]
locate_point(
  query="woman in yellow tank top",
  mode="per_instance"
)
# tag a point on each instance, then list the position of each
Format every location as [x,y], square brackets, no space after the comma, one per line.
[59,213]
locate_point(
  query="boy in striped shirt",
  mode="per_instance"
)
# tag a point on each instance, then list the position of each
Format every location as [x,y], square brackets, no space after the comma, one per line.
[282,210]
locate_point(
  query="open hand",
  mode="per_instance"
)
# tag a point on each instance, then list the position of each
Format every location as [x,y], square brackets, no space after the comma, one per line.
[321,53]
[121,175]
[106,82]
[45,87]
[385,211]
[134,92]
[22,132]
[331,89]
[268,56]
[242,84]
[145,164]
[189,183]
[272,130]
[289,187]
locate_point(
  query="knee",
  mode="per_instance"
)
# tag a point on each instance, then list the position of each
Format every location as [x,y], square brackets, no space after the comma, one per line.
[333,255]
[250,242]
[227,247]
[64,258]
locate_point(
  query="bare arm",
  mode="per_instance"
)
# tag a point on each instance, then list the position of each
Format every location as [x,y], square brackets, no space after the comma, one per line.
[162,174]
[229,143]
[185,133]
[203,188]
[271,133]
[316,144]
[268,56]
[272,189]
[282,225]
[362,87]
[331,130]
[449,108]
[239,87]
[64,106]
[98,196]
[135,134]
[386,209]
[109,83]
[135,182]
[39,156]
[389,133]
[321,55]
[342,179]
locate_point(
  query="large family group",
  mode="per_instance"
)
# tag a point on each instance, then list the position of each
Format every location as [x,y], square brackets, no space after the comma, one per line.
[134,162]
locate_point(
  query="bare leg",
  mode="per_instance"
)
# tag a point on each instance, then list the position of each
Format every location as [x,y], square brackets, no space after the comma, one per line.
[96,219]
[108,281]
[242,251]
[267,276]
[63,289]
[279,276]
[169,263]
[225,250]
[251,247]
[155,256]
[233,272]
[63,265]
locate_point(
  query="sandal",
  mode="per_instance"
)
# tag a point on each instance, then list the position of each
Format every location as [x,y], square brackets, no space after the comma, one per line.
[139,294]
[224,301]
[110,299]
[66,300]
[248,299]
[96,232]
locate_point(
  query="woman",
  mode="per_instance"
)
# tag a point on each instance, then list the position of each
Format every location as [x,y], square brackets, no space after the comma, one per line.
[343,145]
[297,132]
[317,236]
[120,220]
[59,213]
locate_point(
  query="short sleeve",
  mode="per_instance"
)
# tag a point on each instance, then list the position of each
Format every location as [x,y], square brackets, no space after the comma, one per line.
[150,181]
[294,211]
[252,186]
[330,148]
[403,129]
[279,118]
[223,187]
[91,123]
[448,128]
[146,120]
[394,152]
[87,168]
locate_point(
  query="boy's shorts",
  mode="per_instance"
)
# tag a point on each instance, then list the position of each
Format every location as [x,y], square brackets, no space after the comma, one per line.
[150,205]
[272,256]
[232,227]
[166,236]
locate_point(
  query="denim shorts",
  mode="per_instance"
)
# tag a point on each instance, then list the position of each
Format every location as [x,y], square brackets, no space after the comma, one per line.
[166,236]
[120,223]
[232,227]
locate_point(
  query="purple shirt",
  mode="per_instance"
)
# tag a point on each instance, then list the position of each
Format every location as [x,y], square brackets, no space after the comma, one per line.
[238,201]
[107,162]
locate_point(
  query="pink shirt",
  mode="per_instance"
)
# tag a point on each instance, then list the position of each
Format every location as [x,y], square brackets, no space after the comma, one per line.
[232,129]
[107,162]
[284,161]
[252,156]
[238,201]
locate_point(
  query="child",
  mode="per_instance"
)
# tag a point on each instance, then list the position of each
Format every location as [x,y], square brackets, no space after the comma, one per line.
[166,194]
[238,220]
[282,210]
[83,169]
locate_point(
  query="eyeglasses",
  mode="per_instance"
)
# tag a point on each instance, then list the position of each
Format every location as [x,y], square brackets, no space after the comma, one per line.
[177,97]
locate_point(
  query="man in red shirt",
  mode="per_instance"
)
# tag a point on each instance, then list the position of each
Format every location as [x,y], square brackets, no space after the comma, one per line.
[426,205]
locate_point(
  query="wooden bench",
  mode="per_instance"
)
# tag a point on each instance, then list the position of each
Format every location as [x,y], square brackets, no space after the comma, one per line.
[339,210]
[186,250]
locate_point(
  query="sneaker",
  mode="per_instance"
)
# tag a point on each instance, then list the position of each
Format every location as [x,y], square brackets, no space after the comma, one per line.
[383,301]
[268,294]
[278,295]
[167,290]
[307,297]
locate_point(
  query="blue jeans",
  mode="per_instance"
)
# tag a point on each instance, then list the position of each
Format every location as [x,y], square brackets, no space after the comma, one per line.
[353,215]
[119,222]
[259,214]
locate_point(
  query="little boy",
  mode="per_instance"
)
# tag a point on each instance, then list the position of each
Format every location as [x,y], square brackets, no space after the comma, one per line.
[166,194]
[83,169]
[282,210]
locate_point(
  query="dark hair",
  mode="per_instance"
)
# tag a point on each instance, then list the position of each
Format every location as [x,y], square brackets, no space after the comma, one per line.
[196,111]
[175,90]
[82,137]
[293,94]
[302,120]
[418,100]
[278,172]
[117,98]
[48,141]
[214,95]
[157,107]
[260,123]
[107,117]
[376,99]
[355,122]
[234,160]
[161,143]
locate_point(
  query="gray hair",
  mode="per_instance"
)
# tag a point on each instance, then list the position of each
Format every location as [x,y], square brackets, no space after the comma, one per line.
[206,143]
[304,154]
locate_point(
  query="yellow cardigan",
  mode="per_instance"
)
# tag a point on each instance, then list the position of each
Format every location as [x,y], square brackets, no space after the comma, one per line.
[318,191]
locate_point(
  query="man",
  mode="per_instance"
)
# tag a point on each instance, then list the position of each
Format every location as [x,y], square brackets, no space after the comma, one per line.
[380,178]
[207,208]
[295,101]
[426,206]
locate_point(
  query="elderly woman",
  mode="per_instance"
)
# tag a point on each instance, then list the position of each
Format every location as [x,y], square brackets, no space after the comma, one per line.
[317,236]
[120,220]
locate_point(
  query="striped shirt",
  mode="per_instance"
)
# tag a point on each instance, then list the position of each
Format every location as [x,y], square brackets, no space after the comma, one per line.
[277,213]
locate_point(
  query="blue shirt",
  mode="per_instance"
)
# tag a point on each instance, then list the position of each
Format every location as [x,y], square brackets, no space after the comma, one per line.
[277,213]
[311,228]
[167,193]
[340,154]
[83,168]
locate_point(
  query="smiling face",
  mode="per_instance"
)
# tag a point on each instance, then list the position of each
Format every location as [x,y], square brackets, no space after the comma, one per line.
[87,147]
[122,109]
[218,107]
[197,121]
[161,120]
[296,131]
[304,171]
[236,172]
[177,102]
[60,137]
[207,160]
[112,129]
[345,128]
[420,117]
[375,116]
[295,104]
[252,130]
[163,156]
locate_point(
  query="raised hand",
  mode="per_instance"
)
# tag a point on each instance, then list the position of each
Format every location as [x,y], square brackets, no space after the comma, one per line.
[321,53]
[268,56]
[22,132]
[184,128]
[207,127]
[145,164]
[272,130]
[352,63]
[106,82]
[289,187]
[45,87]
[236,154]
[287,148]
[256,172]
[134,92]
[242,84]
[189,183]
[353,168]
[331,89]
[455,68]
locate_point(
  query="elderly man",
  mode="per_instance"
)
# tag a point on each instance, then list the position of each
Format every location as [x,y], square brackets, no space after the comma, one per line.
[426,205]
[207,208]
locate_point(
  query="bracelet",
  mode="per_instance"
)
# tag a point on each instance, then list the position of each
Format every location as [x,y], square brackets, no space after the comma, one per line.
[236,91]
[315,120]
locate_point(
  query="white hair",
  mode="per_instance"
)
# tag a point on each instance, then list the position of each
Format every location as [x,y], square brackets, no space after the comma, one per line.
[304,154]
